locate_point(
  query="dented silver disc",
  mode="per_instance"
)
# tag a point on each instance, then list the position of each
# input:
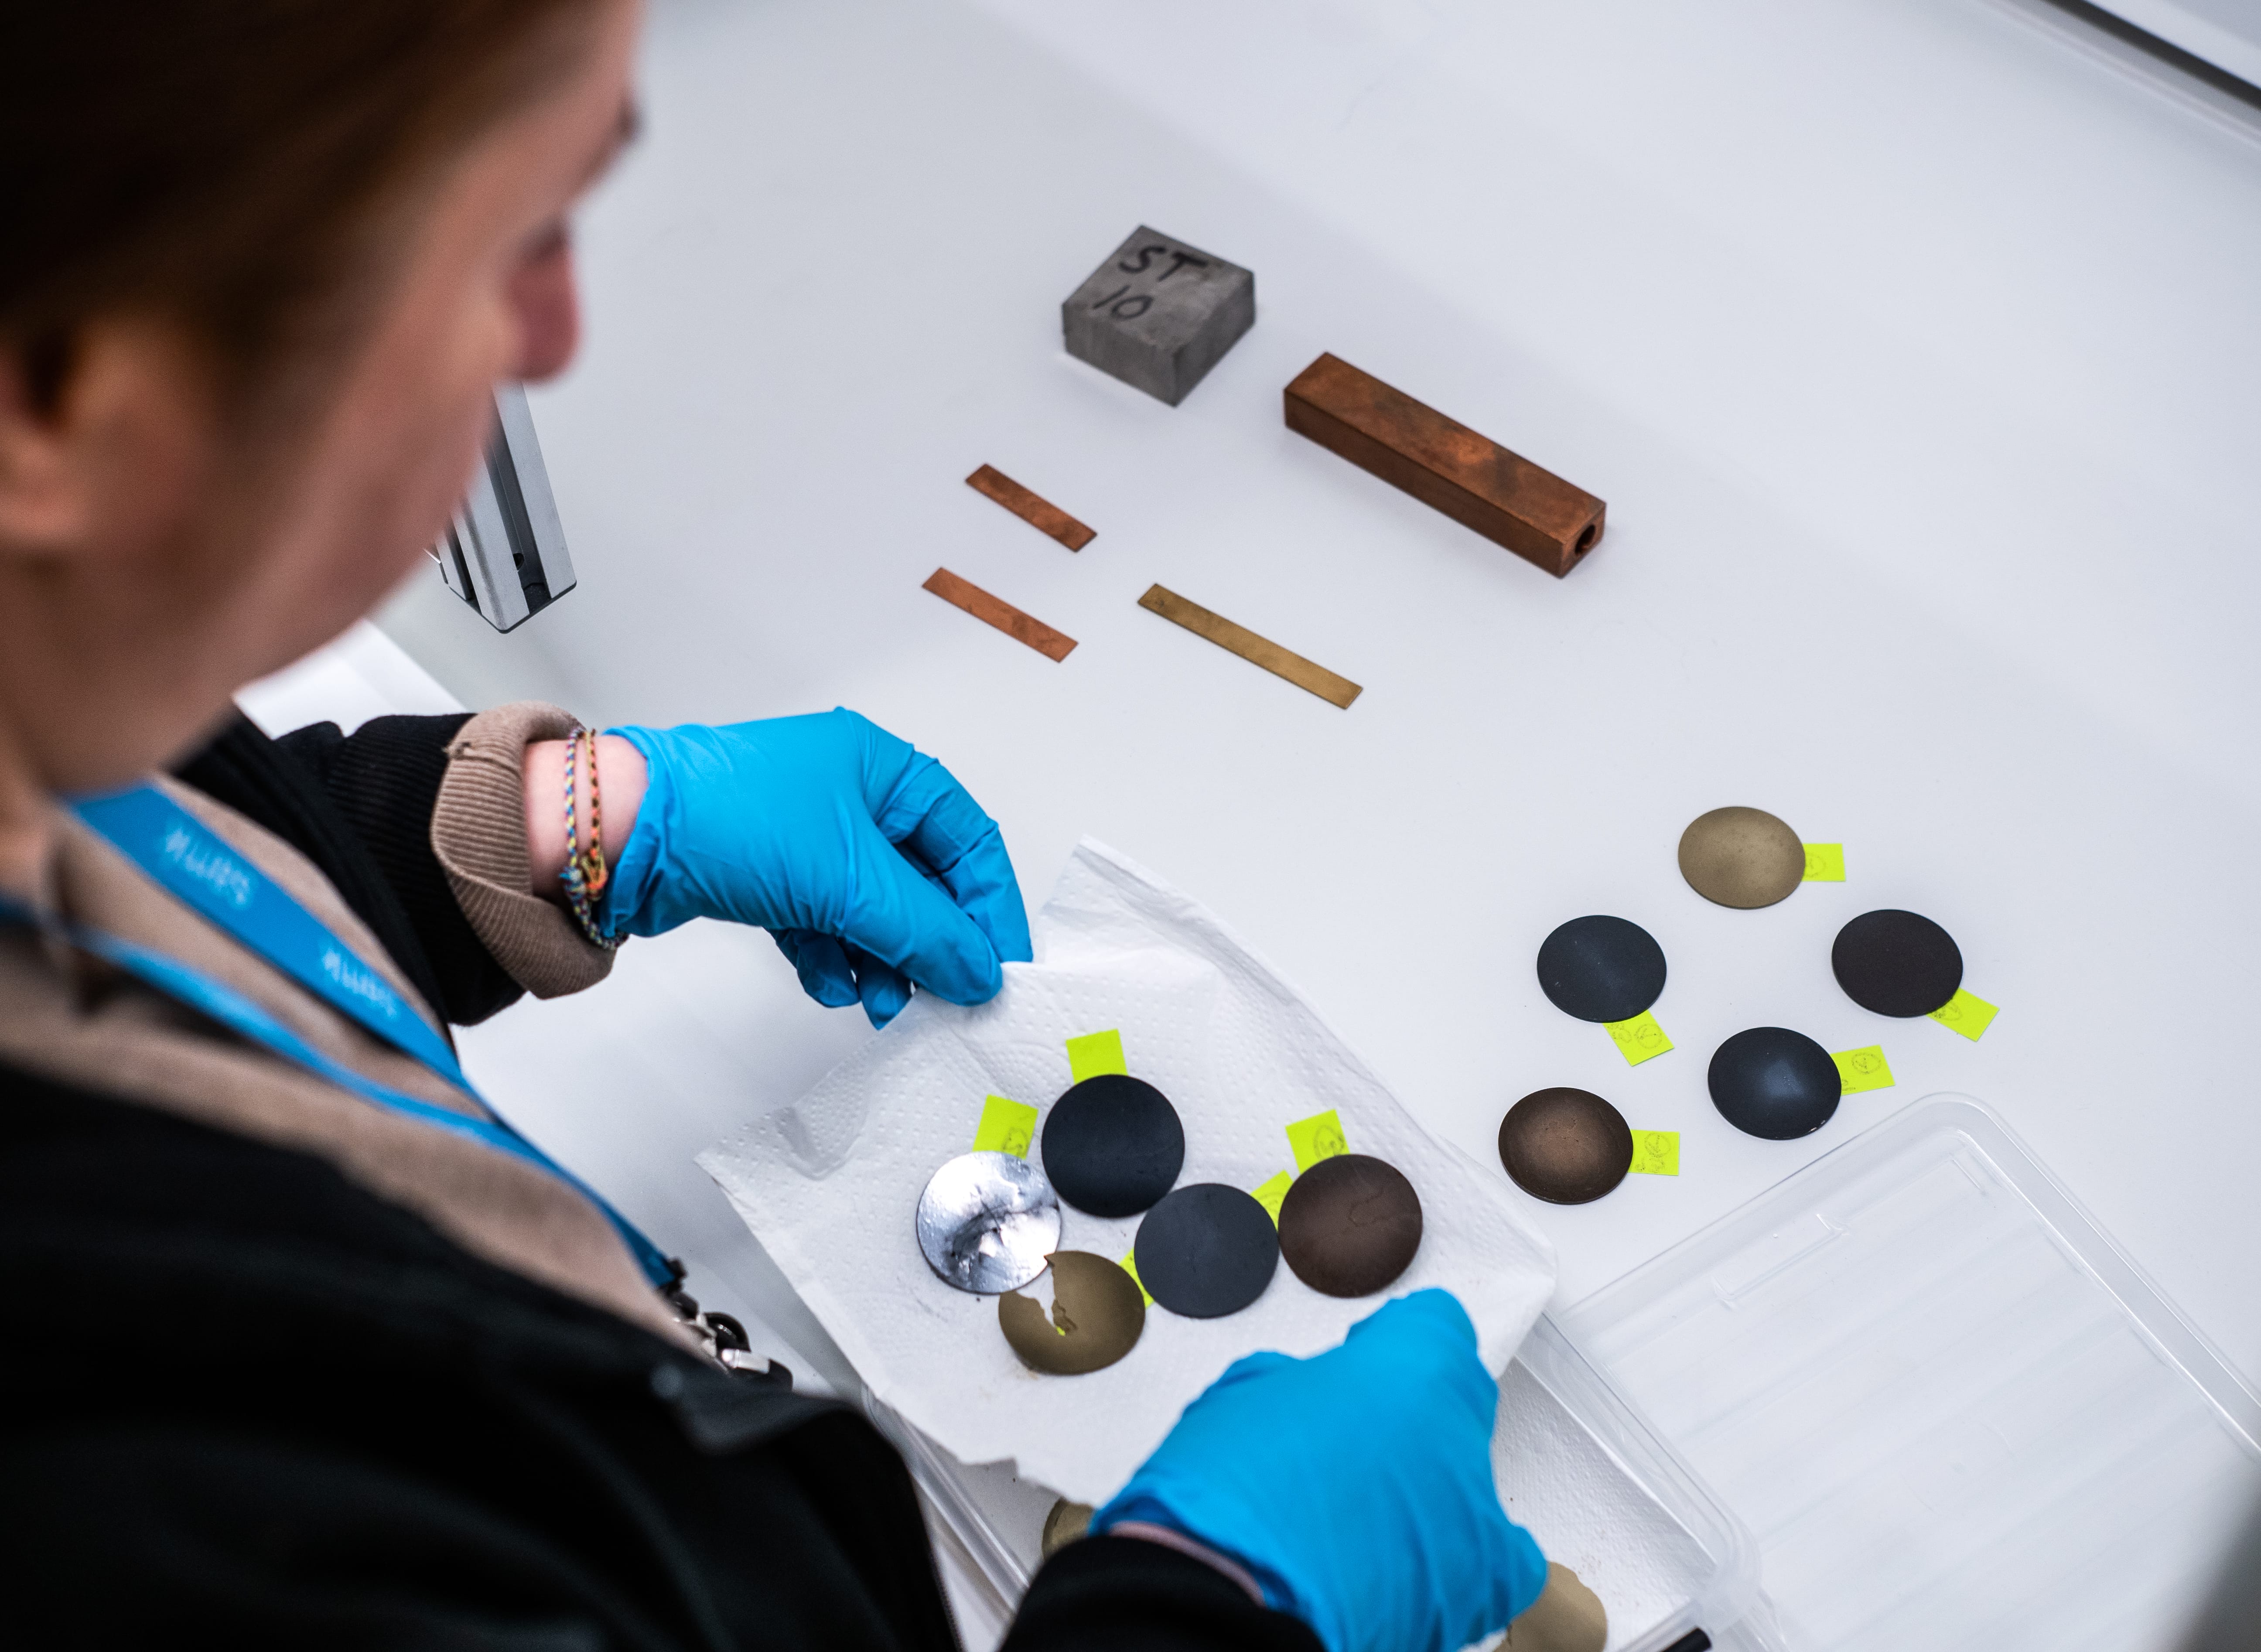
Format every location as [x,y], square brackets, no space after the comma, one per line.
[987,1221]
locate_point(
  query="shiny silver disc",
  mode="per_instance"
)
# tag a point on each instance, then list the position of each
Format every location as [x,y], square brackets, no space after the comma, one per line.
[987,1221]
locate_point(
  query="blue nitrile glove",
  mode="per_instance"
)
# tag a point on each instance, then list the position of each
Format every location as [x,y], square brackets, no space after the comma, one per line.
[1355,1486]
[871,865]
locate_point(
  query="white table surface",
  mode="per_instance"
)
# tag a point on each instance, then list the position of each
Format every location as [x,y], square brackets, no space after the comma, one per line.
[1918,355]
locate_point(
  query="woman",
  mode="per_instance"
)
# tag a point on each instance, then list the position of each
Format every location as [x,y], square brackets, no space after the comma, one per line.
[306,1347]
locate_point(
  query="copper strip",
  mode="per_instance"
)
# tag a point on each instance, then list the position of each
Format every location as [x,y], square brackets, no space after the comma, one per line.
[1446,465]
[1255,649]
[1039,513]
[1021,627]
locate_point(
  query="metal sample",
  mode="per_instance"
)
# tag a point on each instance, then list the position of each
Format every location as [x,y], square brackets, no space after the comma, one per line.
[1350,1225]
[986,1222]
[1446,465]
[505,553]
[1206,1251]
[1039,513]
[1601,968]
[1112,1144]
[1897,963]
[1097,1313]
[1257,650]
[1567,1616]
[1564,1145]
[1741,858]
[1021,627]
[1158,314]
[1066,1522]
[1774,1083]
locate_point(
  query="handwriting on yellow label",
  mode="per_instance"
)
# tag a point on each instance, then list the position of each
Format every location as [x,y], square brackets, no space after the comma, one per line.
[1271,1194]
[1656,1152]
[1639,1039]
[1966,1014]
[1825,863]
[1095,1053]
[1005,1127]
[1131,1266]
[1318,1137]
[1864,1069]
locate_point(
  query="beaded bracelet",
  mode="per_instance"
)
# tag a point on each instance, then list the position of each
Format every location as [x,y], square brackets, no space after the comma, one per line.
[585,873]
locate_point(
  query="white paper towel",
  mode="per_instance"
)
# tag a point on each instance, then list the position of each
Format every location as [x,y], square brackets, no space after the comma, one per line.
[828,1185]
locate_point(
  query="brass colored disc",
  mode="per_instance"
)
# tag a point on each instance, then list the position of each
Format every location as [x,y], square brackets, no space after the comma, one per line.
[1067,1522]
[1098,1311]
[1567,1616]
[1741,858]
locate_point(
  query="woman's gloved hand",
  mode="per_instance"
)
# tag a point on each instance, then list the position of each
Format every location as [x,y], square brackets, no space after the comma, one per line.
[1356,1487]
[872,866]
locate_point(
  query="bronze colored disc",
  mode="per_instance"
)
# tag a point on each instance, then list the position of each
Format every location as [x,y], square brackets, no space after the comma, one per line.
[1565,1146]
[1567,1616]
[1741,858]
[1350,1225]
[1066,1522]
[1098,1311]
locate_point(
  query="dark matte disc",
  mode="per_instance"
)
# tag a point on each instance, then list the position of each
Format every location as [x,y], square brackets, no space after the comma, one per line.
[1350,1225]
[1112,1144]
[1741,858]
[1773,1082]
[1097,1313]
[1565,1146]
[1601,968]
[1206,1251]
[1897,963]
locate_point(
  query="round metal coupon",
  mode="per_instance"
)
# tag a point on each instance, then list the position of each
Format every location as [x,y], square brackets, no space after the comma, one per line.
[1097,1313]
[1897,963]
[1741,858]
[1350,1225]
[1112,1144]
[1206,1251]
[1567,1147]
[1601,968]
[986,1222]
[1774,1083]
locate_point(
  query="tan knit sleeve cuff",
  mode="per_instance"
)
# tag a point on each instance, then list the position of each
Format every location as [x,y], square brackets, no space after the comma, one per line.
[478,832]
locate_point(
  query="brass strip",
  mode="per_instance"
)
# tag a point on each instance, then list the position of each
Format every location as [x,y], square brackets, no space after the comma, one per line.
[1021,627]
[1257,650]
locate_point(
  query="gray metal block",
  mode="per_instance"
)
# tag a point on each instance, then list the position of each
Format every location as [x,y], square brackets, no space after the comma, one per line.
[1158,314]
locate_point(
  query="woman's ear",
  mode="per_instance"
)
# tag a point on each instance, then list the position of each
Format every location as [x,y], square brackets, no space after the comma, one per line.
[114,438]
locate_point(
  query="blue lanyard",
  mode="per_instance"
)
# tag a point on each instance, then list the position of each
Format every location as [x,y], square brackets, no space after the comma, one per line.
[194,864]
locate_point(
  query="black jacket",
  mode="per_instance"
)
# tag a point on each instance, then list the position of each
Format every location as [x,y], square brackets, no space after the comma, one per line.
[245,1403]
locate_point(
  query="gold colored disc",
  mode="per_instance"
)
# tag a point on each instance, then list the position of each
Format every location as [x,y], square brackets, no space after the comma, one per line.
[1567,1616]
[1067,1522]
[1098,1313]
[1741,858]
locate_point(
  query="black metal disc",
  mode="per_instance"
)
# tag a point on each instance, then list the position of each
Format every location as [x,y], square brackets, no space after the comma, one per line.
[1112,1144]
[1601,968]
[1772,1082]
[1206,1251]
[1897,963]
[1350,1225]
[1565,1146]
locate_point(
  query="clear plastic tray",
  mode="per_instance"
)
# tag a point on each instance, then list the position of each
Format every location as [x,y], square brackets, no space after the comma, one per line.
[1575,1461]
[1954,1413]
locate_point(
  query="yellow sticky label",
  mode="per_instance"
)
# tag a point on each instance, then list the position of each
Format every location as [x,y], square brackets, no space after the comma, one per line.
[1005,1127]
[1864,1069]
[1130,1267]
[1095,1053]
[1825,863]
[1967,1015]
[1317,1138]
[1270,1195]
[1639,1039]
[1656,1152]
